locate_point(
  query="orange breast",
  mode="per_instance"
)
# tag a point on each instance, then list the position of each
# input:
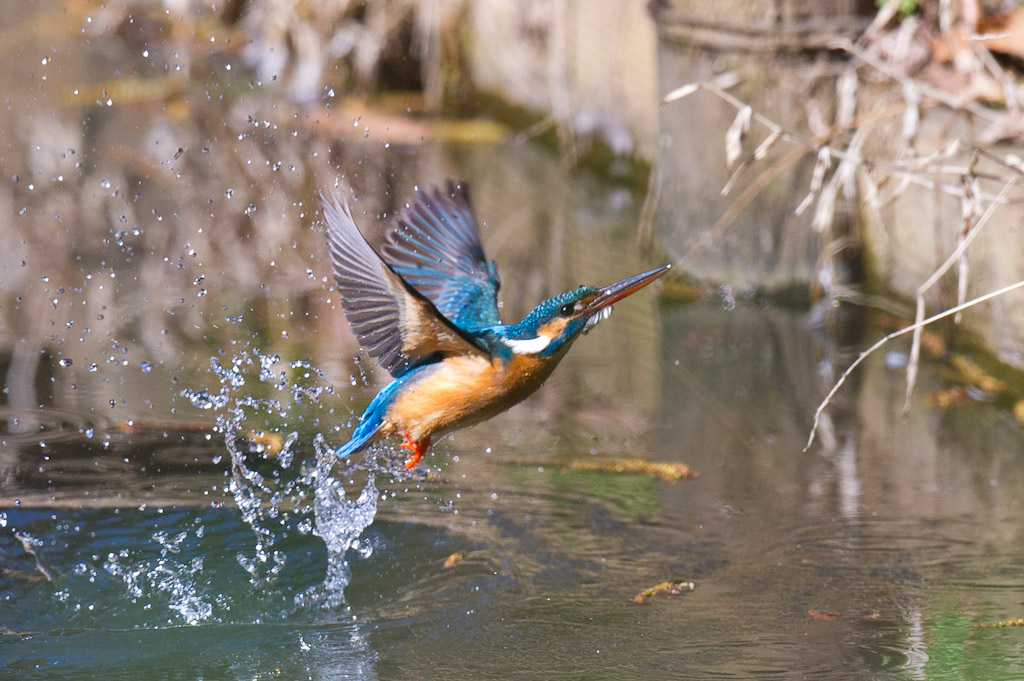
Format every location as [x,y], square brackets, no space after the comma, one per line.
[461,391]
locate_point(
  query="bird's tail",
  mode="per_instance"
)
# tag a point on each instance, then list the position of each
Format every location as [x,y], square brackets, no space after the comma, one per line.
[360,438]
[372,419]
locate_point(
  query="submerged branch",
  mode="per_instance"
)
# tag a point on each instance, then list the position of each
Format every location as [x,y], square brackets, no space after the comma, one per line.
[27,545]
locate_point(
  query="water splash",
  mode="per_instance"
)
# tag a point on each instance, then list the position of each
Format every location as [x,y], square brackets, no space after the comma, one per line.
[339,523]
[268,501]
[167,577]
[275,491]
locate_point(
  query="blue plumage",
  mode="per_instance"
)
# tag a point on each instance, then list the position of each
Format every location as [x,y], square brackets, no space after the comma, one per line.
[427,311]
[435,247]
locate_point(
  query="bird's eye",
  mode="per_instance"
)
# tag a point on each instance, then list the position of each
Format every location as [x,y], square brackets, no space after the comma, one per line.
[566,310]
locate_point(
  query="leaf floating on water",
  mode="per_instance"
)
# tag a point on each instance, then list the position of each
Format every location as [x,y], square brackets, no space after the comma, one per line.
[674,587]
[667,471]
[454,559]
[822,616]
[271,443]
[670,472]
[1002,624]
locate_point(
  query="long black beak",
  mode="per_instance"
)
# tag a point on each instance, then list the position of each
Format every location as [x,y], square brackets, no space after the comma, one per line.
[606,295]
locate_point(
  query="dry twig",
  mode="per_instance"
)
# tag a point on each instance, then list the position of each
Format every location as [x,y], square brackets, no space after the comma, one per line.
[955,256]
[935,93]
[895,334]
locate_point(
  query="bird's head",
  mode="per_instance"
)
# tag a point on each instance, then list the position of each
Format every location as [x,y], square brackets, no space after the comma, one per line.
[554,324]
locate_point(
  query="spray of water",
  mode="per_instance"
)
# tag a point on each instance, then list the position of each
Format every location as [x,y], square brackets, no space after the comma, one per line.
[272,491]
[339,522]
[167,576]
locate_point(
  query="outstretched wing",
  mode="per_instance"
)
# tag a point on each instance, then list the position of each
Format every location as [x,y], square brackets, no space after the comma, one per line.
[435,246]
[396,325]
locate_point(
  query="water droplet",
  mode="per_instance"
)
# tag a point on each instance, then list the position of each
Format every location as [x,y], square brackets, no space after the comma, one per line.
[66,362]
[229,192]
[146,367]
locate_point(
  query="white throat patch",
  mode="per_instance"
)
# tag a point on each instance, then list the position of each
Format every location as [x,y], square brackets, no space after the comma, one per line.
[530,346]
[598,317]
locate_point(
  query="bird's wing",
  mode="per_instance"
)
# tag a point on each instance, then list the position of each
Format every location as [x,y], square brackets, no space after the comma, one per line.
[435,246]
[396,325]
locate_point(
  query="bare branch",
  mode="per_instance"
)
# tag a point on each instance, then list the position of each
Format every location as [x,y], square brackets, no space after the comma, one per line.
[938,95]
[915,347]
[680,93]
[908,176]
[896,334]
[735,135]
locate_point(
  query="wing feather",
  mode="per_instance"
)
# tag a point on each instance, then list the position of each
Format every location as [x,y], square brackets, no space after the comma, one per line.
[435,246]
[396,325]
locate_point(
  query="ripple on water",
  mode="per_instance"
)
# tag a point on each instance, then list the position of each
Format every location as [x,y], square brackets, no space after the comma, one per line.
[38,429]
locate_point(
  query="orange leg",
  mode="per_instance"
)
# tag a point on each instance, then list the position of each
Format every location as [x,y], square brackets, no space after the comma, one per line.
[418,449]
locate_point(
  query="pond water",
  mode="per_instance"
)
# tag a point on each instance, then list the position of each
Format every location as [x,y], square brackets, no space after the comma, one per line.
[177,368]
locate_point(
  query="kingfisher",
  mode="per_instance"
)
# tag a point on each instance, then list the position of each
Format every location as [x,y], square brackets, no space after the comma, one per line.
[425,307]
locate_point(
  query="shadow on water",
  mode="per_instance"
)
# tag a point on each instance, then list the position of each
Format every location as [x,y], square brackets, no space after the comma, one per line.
[177,370]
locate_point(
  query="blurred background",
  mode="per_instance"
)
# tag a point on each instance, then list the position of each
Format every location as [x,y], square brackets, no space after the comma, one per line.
[176,363]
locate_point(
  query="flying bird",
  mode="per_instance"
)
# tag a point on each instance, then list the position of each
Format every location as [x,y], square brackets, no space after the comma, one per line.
[425,307]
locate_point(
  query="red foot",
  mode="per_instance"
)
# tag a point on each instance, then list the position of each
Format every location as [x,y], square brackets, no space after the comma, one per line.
[418,449]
